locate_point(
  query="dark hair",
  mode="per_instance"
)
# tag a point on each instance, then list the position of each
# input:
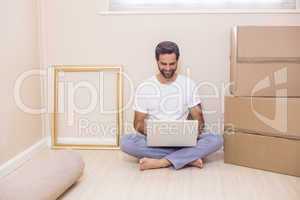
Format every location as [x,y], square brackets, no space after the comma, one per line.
[166,47]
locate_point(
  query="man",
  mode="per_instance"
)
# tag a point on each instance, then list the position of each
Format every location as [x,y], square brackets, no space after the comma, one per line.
[168,96]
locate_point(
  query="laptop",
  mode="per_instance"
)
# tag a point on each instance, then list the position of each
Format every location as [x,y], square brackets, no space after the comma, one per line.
[172,133]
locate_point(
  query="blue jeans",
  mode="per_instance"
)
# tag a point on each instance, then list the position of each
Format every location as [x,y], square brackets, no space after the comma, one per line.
[135,144]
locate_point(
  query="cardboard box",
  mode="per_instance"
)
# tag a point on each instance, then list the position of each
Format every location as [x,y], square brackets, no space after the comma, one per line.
[262,43]
[265,61]
[266,116]
[265,79]
[263,152]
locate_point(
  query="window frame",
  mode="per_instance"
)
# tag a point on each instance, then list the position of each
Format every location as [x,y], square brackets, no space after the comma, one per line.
[105,10]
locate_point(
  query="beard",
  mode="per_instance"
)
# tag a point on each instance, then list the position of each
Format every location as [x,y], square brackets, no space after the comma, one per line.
[167,73]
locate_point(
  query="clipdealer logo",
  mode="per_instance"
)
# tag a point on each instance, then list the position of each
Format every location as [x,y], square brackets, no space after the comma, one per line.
[279,122]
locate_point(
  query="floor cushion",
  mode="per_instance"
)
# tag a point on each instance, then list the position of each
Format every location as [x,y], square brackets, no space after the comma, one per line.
[45,177]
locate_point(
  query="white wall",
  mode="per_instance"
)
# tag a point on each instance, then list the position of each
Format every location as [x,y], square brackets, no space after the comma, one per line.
[19,51]
[75,34]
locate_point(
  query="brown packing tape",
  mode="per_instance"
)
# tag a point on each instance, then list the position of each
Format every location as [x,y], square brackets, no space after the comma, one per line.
[263,152]
[230,129]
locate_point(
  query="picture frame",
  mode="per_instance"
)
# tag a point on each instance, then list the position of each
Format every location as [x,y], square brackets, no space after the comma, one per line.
[55,144]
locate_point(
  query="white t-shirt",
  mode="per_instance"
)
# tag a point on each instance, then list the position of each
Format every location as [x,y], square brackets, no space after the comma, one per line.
[166,101]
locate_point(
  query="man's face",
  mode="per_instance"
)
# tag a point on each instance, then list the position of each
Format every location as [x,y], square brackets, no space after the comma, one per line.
[167,65]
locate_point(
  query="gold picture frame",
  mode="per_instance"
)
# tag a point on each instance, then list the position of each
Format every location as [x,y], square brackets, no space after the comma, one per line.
[119,117]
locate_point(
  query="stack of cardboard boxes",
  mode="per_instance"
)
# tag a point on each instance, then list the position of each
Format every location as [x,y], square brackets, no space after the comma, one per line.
[262,118]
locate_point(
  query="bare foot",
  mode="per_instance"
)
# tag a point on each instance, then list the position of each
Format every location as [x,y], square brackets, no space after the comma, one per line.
[150,163]
[197,163]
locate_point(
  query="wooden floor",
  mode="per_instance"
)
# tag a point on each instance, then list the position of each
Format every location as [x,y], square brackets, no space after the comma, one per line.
[114,175]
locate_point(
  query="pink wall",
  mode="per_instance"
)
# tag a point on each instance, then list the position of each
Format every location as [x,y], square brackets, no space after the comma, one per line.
[19,52]
[76,34]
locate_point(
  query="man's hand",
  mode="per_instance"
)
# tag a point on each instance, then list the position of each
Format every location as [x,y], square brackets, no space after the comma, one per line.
[196,114]
[139,122]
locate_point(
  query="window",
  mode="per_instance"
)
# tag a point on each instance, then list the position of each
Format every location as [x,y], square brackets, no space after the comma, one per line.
[150,5]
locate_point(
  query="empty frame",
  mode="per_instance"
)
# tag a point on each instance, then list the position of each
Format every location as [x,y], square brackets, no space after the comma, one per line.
[87,107]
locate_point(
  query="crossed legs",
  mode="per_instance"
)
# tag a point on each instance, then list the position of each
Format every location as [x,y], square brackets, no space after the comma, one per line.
[156,157]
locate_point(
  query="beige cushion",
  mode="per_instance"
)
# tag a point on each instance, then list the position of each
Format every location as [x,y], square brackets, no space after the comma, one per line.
[45,177]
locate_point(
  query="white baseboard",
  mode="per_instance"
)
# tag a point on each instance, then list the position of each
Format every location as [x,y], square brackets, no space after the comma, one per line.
[22,157]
